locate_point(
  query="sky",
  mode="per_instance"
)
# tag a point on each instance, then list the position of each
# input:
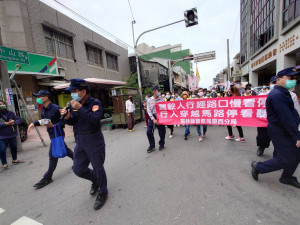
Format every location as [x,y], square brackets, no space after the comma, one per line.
[218,20]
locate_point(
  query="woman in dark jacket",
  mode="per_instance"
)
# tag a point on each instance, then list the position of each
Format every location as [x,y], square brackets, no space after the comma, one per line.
[8,135]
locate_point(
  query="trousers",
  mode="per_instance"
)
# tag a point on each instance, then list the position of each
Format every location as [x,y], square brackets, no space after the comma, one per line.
[12,143]
[90,149]
[150,134]
[53,162]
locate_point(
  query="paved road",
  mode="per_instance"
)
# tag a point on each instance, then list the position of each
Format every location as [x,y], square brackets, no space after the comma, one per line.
[187,183]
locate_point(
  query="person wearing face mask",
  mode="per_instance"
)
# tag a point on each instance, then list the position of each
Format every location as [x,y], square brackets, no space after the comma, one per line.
[185,96]
[153,121]
[171,127]
[283,130]
[145,110]
[85,117]
[130,108]
[214,93]
[51,112]
[263,139]
[248,91]
[200,93]
[207,95]
[8,135]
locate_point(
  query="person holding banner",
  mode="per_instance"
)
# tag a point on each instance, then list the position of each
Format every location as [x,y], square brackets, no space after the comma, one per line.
[50,116]
[171,127]
[234,91]
[283,130]
[153,121]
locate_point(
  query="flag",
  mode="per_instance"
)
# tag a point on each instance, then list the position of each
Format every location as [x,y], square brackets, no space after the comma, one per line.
[197,73]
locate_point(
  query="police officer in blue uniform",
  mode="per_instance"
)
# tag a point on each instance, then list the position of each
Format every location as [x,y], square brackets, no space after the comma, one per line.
[8,135]
[85,117]
[283,130]
[51,112]
[153,121]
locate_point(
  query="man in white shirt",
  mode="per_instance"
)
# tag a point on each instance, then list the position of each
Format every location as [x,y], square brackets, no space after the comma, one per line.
[130,109]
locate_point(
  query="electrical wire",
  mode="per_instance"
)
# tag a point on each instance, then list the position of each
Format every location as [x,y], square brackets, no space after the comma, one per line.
[101,29]
[237,21]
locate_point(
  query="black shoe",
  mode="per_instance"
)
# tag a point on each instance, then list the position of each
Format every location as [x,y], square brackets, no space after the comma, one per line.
[100,201]
[150,149]
[94,189]
[254,171]
[43,182]
[260,151]
[161,148]
[185,137]
[292,181]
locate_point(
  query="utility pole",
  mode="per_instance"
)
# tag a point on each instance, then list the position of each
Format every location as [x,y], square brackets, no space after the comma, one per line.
[170,76]
[228,62]
[5,83]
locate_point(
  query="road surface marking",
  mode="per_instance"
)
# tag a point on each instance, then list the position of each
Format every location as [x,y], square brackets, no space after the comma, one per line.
[2,210]
[25,221]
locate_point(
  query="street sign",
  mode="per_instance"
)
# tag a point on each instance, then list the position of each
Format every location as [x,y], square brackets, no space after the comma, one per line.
[9,96]
[205,56]
[13,55]
[39,65]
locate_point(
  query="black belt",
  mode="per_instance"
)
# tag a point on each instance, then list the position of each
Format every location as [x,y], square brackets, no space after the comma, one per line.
[85,132]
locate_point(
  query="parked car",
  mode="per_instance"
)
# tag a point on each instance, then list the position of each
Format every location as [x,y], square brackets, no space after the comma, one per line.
[23,129]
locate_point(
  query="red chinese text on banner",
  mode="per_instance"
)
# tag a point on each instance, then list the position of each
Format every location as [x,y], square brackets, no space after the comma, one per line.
[249,111]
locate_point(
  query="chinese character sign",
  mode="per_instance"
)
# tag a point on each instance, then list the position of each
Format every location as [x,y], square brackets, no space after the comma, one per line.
[247,111]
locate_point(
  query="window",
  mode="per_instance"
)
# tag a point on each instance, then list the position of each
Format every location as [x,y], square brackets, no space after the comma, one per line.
[244,9]
[261,23]
[94,55]
[58,43]
[112,61]
[147,73]
[291,11]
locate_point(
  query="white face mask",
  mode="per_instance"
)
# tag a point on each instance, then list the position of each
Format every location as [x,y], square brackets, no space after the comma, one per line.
[272,86]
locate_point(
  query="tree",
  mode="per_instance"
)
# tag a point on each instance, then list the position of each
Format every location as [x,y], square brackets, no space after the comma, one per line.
[132,81]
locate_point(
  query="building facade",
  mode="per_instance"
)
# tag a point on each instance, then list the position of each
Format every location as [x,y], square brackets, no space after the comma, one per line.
[35,27]
[270,38]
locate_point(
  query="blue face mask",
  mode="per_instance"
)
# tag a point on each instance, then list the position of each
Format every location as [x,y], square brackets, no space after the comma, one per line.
[290,84]
[272,86]
[75,97]
[158,93]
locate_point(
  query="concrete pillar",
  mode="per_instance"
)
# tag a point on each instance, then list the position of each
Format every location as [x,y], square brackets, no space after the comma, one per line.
[285,61]
[253,78]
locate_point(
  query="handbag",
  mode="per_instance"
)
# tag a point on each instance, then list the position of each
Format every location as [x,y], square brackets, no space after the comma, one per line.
[58,144]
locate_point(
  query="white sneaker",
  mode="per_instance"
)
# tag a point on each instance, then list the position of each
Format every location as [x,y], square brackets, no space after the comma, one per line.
[200,139]
[229,137]
[171,136]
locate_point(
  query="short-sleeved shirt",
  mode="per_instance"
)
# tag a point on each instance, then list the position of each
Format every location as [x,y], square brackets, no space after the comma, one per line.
[151,106]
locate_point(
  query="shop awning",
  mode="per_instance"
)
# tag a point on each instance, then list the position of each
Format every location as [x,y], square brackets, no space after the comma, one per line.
[96,83]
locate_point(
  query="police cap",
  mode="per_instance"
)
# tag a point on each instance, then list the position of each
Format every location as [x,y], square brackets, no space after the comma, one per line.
[291,71]
[42,93]
[77,84]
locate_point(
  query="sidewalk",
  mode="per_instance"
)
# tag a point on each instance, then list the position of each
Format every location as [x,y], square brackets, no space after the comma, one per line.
[34,137]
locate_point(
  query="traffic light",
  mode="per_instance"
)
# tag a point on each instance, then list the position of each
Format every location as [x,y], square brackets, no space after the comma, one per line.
[191,17]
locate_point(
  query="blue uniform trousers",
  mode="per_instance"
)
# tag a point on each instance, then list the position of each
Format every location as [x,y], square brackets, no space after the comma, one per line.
[90,148]
[286,155]
[53,162]
[262,139]
[12,142]
[150,134]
